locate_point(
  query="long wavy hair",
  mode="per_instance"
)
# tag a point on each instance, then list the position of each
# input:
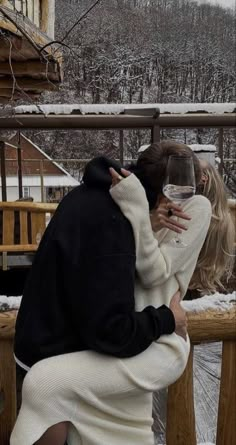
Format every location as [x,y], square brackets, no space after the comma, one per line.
[216,259]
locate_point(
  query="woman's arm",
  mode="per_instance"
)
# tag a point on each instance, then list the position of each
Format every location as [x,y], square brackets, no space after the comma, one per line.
[156,263]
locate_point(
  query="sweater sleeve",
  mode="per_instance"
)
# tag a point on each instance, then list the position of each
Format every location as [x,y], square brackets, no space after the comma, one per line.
[108,321]
[156,263]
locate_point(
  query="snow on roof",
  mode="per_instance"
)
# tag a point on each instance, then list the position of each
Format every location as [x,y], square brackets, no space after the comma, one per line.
[48,181]
[202,147]
[194,147]
[217,108]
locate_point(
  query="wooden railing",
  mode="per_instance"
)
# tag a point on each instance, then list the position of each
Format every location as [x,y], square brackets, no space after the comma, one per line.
[205,327]
[22,225]
[209,326]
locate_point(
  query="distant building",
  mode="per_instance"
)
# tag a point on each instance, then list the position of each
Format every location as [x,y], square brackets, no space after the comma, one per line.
[203,151]
[42,178]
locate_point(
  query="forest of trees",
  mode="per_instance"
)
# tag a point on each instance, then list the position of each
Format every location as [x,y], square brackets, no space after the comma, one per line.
[143,51]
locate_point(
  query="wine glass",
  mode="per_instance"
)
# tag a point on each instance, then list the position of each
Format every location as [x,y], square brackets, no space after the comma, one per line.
[179,184]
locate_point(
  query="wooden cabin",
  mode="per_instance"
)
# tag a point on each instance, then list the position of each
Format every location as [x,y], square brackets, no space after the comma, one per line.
[29,62]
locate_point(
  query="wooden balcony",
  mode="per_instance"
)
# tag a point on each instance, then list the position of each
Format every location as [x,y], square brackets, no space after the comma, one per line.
[29,62]
[40,12]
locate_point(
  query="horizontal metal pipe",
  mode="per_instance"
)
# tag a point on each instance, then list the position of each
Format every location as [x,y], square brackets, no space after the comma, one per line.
[79,122]
[122,121]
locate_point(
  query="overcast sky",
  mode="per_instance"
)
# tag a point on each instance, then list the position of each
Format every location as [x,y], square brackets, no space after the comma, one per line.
[224,3]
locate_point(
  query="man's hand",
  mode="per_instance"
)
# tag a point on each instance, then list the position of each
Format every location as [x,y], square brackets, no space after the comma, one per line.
[179,315]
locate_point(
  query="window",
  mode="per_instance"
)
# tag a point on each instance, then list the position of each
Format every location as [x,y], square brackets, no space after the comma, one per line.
[26,192]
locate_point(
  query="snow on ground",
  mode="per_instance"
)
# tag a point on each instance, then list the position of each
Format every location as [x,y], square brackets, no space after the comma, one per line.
[7,303]
[216,108]
[215,301]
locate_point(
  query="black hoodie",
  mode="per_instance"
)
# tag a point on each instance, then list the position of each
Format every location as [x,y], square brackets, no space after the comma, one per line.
[80,291]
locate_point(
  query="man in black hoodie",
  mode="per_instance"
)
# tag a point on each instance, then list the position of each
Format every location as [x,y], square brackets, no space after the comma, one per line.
[80,291]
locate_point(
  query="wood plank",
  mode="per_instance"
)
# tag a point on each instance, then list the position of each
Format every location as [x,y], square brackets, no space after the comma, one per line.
[8,227]
[23,228]
[29,68]
[180,427]
[226,425]
[38,226]
[19,248]
[7,324]
[211,325]
[29,206]
[26,84]
[8,389]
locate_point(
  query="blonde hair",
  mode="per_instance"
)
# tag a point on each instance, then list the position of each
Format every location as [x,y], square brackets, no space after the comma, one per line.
[216,258]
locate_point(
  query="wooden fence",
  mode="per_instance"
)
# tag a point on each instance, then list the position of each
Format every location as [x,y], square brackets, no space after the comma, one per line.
[203,327]
[208,326]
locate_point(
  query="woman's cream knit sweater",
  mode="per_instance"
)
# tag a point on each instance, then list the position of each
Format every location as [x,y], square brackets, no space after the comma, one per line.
[108,400]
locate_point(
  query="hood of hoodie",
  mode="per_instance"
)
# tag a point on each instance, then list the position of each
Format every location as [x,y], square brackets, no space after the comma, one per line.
[97,173]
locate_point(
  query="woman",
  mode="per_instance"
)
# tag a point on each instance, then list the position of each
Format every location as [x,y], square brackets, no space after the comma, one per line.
[108,400]
[216,261]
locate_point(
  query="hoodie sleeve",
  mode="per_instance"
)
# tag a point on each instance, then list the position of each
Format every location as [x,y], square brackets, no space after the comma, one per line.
[105,280]
[157,263]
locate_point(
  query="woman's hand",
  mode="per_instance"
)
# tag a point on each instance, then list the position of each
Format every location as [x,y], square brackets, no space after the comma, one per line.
[116,178]
[161,217]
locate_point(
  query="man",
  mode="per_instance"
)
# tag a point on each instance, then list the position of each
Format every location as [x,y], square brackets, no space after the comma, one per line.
[80,292]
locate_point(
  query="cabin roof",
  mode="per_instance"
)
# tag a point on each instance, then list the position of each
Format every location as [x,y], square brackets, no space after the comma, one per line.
[32,156]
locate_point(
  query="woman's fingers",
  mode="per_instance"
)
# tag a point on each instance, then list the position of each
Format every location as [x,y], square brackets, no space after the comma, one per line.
[116,177]
[125,172]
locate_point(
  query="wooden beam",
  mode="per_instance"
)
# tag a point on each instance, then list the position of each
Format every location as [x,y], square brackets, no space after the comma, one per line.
[27,84]
[7,324]
[30,69]
[210,326]
[226,425]
[3,170]
[180,427]
[8,389]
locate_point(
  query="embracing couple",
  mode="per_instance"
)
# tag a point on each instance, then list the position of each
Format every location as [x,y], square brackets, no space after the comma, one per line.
[100,325]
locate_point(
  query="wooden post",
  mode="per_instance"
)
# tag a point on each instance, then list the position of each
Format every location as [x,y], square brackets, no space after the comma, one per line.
[19,167]
[41,181]
[7,376]
[180,427]
[226,425]
[3,171]
[155,136]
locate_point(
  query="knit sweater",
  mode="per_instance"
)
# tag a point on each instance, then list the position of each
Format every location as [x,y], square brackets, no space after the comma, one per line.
[162,268]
